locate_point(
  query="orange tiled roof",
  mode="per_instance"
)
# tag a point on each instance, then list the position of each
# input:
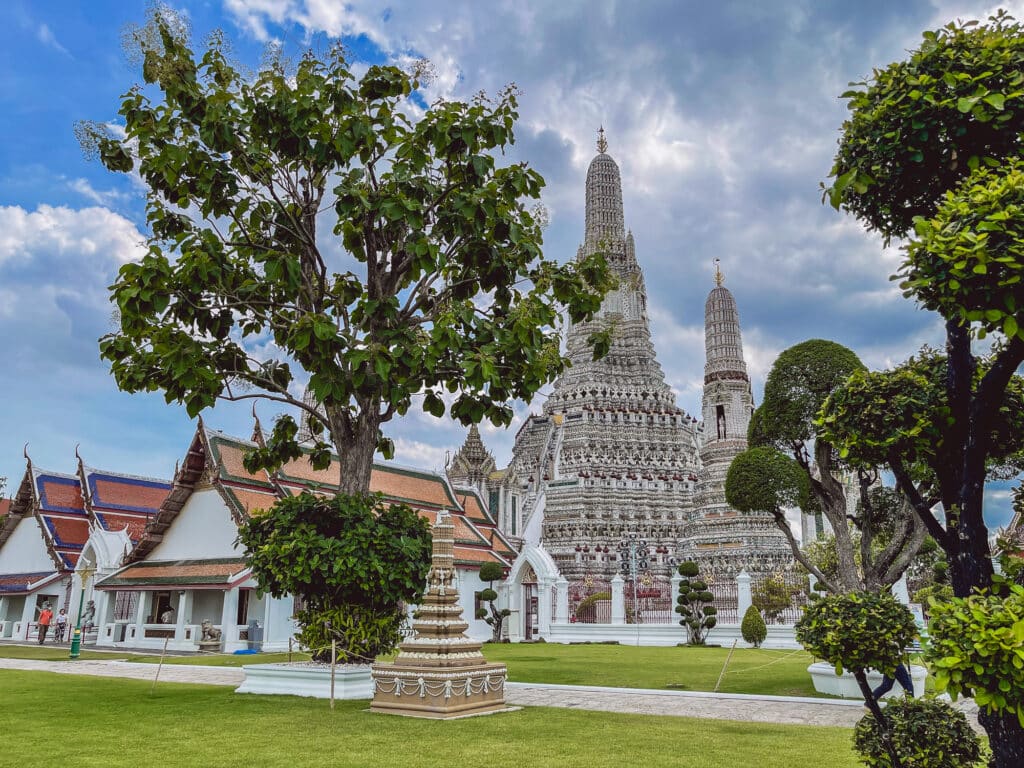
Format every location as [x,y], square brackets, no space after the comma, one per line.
[156,573]
[250,501]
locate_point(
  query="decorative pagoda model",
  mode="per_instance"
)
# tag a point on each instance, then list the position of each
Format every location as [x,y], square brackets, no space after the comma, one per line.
[440,672]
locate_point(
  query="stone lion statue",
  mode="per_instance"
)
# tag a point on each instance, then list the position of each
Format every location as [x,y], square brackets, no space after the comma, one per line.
[210,632]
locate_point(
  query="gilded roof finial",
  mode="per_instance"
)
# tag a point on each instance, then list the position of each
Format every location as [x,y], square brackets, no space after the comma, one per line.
[602,143]
[719,277]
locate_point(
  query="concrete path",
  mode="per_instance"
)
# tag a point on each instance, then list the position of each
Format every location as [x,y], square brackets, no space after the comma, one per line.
[786,710]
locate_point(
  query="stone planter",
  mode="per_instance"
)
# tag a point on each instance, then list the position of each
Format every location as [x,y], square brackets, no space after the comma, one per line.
[351,681]
[826,680]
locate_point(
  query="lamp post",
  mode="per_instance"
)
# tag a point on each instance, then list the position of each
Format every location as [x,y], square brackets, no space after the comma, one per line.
[634,554]
[84,574]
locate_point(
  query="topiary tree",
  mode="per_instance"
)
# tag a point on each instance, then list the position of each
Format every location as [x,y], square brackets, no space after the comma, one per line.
[354,560]
[753,628]
[976,648]
[694,604]
[933,147]
[492,572]
[859,631]
[926,733]
[308,220]
[800,380]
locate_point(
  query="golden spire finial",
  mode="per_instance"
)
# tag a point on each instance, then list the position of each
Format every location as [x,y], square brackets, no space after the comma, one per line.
[719,277]
[602,143]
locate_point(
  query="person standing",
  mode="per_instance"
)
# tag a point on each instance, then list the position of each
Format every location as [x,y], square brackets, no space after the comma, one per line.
[45,617]
[62,626]
[902,676]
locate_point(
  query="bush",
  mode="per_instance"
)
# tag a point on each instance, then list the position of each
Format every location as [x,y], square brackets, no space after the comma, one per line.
[352,558]
[975,648]
[694,604]
[361,633]
[753,627]
[857,631]
[927,734]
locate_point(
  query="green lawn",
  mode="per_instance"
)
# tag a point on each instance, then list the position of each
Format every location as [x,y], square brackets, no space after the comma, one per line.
[60,653]
[107,723]
[780,673]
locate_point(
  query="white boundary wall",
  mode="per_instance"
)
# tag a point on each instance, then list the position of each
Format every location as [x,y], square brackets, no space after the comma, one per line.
[779,637]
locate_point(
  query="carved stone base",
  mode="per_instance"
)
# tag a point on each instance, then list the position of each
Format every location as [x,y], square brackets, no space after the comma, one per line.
[438,693]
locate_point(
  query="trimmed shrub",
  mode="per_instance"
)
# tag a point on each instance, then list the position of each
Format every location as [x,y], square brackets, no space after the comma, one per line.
[926,734]
[694,604]
[975,648]
[753,627]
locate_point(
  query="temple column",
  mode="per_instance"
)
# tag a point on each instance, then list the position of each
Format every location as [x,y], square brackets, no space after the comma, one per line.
[544,607]
[618,600]
[562,600]
[676,579]
[743,597]
[229,621]
[184,616]
[140,615]
[102,598]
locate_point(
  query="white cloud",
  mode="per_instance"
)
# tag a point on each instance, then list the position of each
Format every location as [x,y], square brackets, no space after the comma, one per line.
[46,37]
[94,234]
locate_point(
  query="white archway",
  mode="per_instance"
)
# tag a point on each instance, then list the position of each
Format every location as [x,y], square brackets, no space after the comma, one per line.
[529,593]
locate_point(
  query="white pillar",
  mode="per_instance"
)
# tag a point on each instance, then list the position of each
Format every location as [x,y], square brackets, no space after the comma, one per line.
[743,597]
[102,598]
[900,590]
[140,615]
[229,621]
[562,601]
[676,578]
[618,600]
[28,615]
[3,608]
[544,608]
[184,616]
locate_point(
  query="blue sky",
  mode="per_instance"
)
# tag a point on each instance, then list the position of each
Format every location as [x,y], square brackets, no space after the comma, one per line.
[723,121]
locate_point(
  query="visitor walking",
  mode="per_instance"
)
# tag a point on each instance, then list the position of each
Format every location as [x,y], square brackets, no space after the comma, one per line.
[902,676]
[62,626]
[45,617]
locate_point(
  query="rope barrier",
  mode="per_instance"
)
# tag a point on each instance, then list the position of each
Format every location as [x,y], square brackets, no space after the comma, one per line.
[762,666]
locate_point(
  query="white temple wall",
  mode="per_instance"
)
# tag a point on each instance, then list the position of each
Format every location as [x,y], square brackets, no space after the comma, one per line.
[206,604]
[25,551]
[469,585]
[203,529]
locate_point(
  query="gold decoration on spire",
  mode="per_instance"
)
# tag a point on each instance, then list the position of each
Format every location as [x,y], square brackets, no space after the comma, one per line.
[719,277]
[602,143]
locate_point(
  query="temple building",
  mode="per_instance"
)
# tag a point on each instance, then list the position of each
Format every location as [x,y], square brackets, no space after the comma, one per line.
[612,455]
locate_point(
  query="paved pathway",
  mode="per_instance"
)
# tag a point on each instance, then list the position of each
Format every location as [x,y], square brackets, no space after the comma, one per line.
[788,710]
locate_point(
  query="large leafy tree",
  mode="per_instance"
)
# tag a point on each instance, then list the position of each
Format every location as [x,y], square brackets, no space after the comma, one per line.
[933,144]
[311,220]
[791,464]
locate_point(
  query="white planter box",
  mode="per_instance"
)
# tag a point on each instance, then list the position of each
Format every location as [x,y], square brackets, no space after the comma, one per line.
[827,681]
[351,681]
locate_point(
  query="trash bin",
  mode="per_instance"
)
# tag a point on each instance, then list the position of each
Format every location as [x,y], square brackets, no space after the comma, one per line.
[255,636]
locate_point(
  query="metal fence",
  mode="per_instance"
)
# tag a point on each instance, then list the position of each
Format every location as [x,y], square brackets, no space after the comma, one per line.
[780,597]
[726,593]
[590,601]
[653,601]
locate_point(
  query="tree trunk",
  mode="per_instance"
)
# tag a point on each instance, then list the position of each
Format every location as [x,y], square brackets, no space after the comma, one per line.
[356,445]
[1005,737]
[883,722]
[832,499]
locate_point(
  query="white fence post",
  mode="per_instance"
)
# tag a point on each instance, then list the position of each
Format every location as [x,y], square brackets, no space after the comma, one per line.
[743,598]
[618,600]
[562,600]
[676,578]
